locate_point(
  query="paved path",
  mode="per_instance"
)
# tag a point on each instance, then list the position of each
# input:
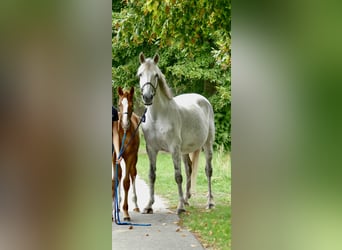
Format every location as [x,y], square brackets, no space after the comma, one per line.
[164,234]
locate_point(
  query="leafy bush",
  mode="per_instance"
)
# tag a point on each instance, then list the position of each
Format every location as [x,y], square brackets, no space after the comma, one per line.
[194,50]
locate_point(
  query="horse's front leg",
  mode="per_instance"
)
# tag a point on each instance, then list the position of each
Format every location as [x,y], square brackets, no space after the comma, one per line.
[152,155]
[126,184]
[116,179]
[176,157]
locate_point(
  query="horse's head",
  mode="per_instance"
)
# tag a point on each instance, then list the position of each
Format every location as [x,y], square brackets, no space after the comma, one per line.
[148,73]
[125,107]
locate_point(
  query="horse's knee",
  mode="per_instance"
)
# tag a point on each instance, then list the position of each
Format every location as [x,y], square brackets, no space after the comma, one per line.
[133,171]
[126,183]
[209,170]
[187,161]
[189,172]
[178,178]
[152,176]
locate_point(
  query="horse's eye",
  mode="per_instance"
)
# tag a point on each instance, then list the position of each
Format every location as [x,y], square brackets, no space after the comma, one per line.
[156,75]
[140,75]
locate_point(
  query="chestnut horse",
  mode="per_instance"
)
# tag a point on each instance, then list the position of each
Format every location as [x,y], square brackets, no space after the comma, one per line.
[128,122]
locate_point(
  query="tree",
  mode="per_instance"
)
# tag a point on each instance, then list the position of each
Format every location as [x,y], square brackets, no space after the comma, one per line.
[193,39]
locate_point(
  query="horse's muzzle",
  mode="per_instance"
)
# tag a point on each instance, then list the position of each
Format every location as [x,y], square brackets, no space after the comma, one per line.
[147,100]
[148,92]
[126,125]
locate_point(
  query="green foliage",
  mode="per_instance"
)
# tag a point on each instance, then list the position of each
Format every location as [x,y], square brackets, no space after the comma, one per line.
[222,108]
[194,49]
[213,227]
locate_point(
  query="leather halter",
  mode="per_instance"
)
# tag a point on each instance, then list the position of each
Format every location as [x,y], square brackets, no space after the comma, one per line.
[153,88]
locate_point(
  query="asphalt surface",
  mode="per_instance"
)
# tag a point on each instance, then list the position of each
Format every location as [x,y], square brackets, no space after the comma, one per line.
[164,232]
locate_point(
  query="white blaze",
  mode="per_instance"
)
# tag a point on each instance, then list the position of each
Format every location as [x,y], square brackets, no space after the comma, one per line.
[125,121]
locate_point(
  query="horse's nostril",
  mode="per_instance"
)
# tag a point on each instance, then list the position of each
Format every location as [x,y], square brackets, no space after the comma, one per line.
[147,99]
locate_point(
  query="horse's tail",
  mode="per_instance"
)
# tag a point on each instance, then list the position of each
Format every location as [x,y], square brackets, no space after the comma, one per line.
[194,157]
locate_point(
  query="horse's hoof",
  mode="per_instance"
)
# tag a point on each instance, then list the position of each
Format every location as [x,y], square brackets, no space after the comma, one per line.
[148,211]
[127,219]
[210,206]
[136,210]
[186,203]
[180,210]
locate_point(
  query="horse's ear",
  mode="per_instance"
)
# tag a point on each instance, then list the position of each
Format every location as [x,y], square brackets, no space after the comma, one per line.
[156,58]
[120,92]
[132,91]
[141,57]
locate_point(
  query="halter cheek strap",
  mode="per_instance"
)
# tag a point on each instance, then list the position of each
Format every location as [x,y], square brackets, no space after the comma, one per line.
[154,88]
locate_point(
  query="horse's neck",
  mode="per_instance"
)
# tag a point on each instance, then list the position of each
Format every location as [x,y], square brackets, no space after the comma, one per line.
[160,105]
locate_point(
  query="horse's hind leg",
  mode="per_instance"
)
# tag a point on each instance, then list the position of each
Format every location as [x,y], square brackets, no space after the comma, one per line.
[134,196]
[152,155]
[194,157]
[116,179]
[176,157]
[208,150]
[188,170]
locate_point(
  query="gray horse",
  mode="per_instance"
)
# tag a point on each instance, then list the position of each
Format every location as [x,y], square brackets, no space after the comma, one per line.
[181,125]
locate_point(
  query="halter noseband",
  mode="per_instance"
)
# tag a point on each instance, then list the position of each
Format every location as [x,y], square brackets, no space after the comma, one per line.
[153,88]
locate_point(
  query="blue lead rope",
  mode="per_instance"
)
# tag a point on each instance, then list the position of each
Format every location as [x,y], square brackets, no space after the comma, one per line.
[116,210]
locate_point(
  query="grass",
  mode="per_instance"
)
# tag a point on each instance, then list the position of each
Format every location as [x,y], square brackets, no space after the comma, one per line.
[212,227]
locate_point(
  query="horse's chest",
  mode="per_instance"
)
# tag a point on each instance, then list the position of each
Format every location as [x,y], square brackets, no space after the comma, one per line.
[158,135]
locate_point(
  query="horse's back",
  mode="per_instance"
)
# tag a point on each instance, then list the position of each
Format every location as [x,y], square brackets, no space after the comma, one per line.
[195,104]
